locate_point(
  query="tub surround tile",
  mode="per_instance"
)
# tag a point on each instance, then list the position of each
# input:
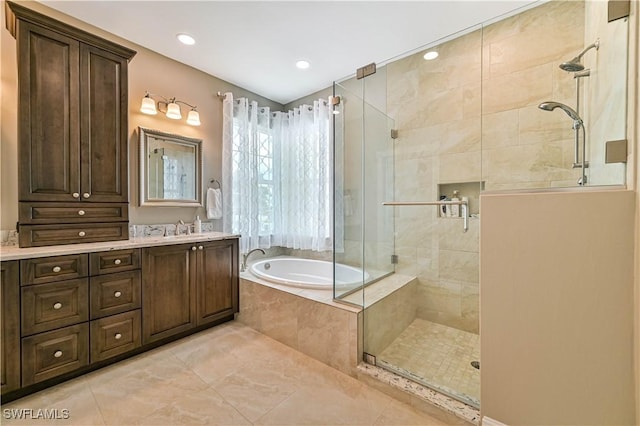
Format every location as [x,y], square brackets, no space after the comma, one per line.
[322,329]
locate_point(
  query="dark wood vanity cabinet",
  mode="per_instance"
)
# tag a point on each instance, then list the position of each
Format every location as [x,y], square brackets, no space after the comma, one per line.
[217,281]
[169,291]
[77,310]
[10,342]
[65,315]
[73,148]
[188,285]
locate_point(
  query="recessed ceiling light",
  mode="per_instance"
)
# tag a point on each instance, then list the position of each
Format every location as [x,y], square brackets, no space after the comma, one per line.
[430,55]
[303,65]
[186,39]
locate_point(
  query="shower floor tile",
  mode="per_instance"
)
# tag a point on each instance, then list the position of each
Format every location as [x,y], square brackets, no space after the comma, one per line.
[437,356]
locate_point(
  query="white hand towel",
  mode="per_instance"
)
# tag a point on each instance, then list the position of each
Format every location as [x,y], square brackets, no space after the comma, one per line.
[214,203]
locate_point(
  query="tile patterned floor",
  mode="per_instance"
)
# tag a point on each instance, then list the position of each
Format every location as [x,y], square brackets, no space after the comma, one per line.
[438,356]
[227,375]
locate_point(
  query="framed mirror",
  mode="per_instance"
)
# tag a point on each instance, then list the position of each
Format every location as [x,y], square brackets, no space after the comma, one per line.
[170,169]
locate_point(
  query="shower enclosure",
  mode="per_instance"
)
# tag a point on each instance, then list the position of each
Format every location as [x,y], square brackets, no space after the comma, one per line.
[452,128]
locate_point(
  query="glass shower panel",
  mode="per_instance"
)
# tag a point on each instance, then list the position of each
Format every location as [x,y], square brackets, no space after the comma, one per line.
[378,174]
[363,181]
[348,194]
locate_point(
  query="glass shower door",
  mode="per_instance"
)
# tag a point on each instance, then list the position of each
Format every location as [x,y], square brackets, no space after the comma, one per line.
[363,181]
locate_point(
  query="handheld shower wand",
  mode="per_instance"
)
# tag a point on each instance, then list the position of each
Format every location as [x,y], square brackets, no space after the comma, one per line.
[550,106]
[577,124]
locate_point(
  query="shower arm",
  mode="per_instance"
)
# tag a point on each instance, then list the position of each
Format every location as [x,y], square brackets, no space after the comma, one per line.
[464,205]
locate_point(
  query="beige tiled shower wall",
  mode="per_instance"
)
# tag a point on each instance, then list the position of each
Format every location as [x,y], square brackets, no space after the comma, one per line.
[481,94]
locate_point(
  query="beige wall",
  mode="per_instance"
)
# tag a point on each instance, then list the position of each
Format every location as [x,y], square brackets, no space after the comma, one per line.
[557,312]
[634,134]
[147,71]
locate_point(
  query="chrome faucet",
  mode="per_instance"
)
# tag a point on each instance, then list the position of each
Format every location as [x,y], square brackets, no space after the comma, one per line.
[178,223]
[243,267]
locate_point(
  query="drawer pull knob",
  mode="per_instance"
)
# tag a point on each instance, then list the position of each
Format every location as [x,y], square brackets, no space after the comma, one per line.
[82,234]
[194,248]
[57,269]
[75,195]
[86,195]
[57,305]
[118,336]
[81,212]
[117,294]
[57,354]
[117,261]
[199,247]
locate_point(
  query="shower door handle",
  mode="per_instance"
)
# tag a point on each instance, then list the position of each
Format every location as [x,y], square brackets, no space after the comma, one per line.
[464,205]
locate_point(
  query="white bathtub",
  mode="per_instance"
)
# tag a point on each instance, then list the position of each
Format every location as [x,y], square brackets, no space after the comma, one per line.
[307,273]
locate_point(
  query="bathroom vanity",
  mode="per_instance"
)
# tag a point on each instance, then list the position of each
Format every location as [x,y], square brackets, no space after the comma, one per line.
[69,309]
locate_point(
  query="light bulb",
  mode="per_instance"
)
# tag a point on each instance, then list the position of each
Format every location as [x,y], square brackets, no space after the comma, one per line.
[193,118]
[173,111]
[148,106]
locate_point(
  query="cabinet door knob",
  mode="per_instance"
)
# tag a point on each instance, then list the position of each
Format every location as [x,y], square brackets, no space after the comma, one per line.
[117,336]
[194,248]
[117,294]
[57,269]
[117,261]
[200,247]
[81,212]
[57,305]
[57,354]
[82,234]
[75,195]
[86,195]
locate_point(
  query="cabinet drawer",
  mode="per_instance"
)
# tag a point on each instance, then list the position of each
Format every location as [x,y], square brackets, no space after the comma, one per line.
[114,293]
[114,261]
[57,268]
[49,306]
[47,235]
[44,213]
[51,354]
[115,335]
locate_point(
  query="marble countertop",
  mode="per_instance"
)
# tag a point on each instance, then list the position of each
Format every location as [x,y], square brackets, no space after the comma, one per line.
[16,253]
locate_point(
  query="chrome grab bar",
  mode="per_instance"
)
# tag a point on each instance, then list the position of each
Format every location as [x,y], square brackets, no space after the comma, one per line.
[463,204]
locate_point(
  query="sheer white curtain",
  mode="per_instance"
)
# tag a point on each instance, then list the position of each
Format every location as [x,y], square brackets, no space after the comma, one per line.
[302,149]
[277,179]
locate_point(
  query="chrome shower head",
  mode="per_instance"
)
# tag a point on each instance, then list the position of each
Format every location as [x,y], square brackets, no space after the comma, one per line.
[550,106]
[574,65]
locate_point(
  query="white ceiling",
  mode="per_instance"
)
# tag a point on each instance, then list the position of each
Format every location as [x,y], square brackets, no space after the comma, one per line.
[255,44]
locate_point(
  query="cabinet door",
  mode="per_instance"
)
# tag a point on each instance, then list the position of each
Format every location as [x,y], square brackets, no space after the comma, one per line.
[49,148]
[10,342]
[217,280]
[103,131]
[54,353]
[168,291]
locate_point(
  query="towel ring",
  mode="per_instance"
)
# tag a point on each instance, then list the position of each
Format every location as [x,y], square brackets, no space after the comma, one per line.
[214,183]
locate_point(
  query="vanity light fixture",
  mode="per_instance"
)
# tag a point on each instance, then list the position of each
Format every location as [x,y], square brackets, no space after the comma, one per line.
[170,107]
